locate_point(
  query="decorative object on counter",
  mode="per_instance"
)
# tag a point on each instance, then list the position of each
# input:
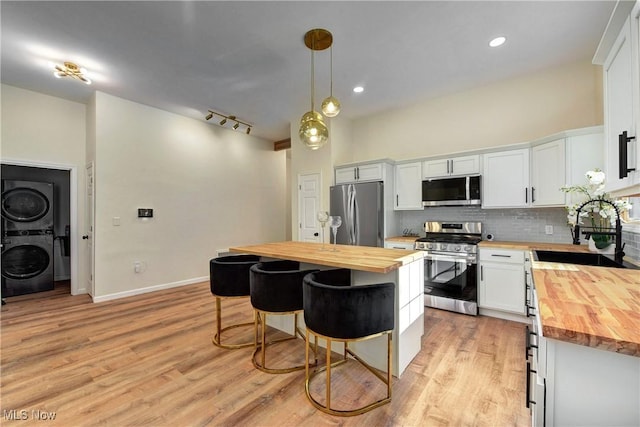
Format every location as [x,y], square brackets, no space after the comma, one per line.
[225,119]
[323,217]
[408,232]
[335,221]
[601,211]
[313,131]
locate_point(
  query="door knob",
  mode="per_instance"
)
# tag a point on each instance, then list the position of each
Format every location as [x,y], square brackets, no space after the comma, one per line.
[85,237]
[316,234]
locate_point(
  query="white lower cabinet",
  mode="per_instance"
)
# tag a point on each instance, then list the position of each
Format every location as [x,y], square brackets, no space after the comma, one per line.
[502,280]
[586,386]
[576,385]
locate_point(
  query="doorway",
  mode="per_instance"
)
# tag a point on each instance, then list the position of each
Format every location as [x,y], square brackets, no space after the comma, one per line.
[64,252]
[309,204]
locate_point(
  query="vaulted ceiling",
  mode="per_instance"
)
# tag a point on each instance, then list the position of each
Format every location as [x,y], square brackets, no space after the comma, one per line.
[248,58]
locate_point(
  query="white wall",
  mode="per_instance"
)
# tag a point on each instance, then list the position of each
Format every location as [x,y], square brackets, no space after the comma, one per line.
[210,188]
[508,112]
[41,129]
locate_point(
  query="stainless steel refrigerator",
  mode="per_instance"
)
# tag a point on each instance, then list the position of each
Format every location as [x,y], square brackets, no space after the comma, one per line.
[361,208]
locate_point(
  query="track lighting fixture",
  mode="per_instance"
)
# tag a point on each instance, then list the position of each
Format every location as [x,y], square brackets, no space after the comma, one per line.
[237,122]
[71,70]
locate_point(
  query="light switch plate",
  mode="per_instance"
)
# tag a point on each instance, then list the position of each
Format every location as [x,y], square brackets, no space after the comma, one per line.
[115,220]
[548,229]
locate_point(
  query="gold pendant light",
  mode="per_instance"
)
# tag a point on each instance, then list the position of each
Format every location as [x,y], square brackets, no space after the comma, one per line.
[313,131]
[331,105]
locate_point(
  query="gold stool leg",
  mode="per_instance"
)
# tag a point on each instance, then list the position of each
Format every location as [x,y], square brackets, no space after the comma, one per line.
[328,377]
[217,338]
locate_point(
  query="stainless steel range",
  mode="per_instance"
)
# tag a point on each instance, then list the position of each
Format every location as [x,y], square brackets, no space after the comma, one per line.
[451,265]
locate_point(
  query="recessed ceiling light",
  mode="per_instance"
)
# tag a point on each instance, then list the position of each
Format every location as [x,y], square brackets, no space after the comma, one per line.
[498,41]
[358,89]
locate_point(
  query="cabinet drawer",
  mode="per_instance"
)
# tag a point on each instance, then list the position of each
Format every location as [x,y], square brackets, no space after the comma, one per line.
[502,255]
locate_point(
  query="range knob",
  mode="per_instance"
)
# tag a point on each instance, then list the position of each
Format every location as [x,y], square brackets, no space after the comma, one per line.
[429,246]
[467,248]
[457,248]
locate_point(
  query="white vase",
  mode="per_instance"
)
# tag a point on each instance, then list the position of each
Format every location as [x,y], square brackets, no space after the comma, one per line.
[608,250]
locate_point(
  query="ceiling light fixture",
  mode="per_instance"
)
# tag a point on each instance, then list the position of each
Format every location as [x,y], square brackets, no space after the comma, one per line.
[313,131]
[358,89]
[69,69]
[498,41]
[331,105]
[225,118]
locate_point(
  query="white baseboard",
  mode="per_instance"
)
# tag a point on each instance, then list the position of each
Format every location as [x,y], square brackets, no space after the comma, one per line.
[504,315]
[148,289]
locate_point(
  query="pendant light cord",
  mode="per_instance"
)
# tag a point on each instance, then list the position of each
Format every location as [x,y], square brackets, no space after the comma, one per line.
[313,45]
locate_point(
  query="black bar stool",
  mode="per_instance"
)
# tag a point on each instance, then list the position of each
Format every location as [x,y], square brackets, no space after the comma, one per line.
[336,311]
[229,278]
[276,289]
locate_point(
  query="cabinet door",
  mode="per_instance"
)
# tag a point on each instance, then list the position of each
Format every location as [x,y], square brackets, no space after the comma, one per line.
[584,153]
[345,175]
[408,182]
[435,168]
[618,84]
[466,165]
[502,287]
[548,174]
[372,172]
[505,179]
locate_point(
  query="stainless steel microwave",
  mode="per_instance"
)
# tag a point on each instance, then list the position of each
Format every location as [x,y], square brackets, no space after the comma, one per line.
[457,191]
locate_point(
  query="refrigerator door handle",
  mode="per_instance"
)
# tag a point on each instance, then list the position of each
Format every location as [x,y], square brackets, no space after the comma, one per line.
[351,215]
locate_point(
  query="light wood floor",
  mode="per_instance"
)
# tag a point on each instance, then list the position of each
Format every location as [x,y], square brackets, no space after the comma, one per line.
[148,360]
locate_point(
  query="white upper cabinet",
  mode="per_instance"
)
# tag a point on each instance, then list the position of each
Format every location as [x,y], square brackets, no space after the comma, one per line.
[584,153]
[454,166]
[505,179]
[360,173]
[548,173]
[621,73]
[408,186]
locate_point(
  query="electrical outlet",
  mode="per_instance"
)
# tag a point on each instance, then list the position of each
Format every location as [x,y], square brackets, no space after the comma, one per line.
[137,267]
[548,229]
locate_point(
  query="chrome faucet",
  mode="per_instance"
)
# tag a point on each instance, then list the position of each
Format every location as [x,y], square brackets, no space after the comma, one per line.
[619,253]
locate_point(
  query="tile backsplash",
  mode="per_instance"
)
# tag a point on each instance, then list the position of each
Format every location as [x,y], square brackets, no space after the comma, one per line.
[518,225]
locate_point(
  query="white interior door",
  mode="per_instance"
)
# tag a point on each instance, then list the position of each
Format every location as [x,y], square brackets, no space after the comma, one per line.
[89,233]
[308,206]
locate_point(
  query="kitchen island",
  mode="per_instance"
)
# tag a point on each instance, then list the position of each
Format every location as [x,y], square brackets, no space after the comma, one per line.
[404,268]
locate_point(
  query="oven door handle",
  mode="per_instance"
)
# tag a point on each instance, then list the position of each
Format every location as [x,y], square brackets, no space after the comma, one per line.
[451,258]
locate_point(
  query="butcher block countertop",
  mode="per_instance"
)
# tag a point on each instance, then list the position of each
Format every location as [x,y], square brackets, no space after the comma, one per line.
[565,247]
[592,306]
[364,258]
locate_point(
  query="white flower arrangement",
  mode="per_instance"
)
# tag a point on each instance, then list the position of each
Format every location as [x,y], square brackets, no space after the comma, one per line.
[600,212]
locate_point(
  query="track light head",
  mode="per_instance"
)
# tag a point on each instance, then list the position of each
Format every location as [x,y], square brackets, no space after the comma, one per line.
[223,121]
[209,116]
[236,126]
[248,130]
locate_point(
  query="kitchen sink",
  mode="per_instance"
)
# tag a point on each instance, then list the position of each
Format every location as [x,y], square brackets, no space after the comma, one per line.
[582,258]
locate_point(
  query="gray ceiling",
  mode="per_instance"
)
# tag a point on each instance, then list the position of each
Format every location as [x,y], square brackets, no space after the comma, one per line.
[248,58]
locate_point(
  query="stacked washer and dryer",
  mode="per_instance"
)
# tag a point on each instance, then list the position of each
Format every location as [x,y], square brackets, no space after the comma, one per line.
[27,237]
